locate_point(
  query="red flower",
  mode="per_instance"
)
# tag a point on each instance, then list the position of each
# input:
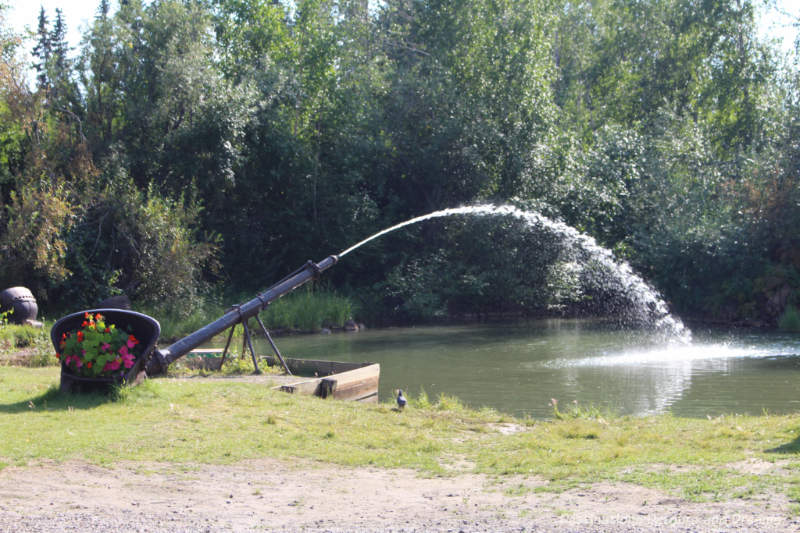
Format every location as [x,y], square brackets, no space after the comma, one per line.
[108,330]
[89,364]
[58,355]
[63,336]
[84,324]
[87,315]
[133,339]
[80,336]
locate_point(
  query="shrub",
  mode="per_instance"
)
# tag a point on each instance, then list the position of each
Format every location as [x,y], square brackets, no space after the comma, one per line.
[139,243]
[32,229]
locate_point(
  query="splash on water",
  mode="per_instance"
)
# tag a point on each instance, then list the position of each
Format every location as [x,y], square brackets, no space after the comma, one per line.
[671,355]
[646,302]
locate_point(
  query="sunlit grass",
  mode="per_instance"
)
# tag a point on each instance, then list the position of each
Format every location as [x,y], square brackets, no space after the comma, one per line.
[33,342]
[217,421]
[309,310]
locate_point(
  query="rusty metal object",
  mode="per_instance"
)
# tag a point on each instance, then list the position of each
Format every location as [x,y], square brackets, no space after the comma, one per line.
[21,300]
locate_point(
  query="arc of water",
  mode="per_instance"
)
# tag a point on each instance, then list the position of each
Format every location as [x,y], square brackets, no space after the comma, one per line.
[435,214]
[644,294]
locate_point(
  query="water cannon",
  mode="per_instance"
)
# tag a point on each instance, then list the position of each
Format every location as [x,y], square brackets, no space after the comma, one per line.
[163,357]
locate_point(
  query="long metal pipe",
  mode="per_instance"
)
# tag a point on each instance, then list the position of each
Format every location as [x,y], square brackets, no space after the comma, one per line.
[162,357]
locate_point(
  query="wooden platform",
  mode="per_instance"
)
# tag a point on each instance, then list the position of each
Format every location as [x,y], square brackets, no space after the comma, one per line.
[325,379]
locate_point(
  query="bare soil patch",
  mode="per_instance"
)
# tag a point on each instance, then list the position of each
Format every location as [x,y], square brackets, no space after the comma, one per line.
[271,495]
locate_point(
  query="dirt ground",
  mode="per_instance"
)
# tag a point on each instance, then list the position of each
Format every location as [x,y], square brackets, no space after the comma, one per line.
[271,495]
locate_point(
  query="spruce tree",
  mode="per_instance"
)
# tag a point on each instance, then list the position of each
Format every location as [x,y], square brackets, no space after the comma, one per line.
[42,51]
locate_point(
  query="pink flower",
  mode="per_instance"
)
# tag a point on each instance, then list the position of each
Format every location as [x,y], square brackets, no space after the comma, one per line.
[112,365]
[105,346]
[127,357]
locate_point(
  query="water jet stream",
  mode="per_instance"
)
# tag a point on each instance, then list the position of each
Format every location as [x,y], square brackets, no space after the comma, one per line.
[646,299]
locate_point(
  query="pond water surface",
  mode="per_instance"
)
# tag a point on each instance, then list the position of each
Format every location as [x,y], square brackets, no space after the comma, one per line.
[518,368]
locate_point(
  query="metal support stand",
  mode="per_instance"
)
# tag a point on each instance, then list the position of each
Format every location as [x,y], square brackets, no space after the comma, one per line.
[227,345]
[250,345]
[272,343]
[247,343]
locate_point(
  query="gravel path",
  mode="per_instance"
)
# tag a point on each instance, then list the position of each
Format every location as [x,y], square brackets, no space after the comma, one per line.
[269,495]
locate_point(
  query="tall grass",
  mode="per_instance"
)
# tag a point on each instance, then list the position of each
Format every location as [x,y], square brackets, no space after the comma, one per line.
[309,310]
[306,309]
[175,326]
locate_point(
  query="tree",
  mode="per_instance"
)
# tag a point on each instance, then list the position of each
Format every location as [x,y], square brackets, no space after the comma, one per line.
[13,93]
[42,51]
[471,97]
[60,67]
[100,79]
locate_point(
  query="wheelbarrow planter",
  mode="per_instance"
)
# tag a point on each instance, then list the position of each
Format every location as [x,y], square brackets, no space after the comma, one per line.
[146,329]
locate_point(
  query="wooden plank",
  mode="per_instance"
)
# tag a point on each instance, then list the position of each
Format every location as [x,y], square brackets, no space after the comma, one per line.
[357,390]
[360,383]
[308,386]
[205,352]
[315,367]
[340,380]
[357,383]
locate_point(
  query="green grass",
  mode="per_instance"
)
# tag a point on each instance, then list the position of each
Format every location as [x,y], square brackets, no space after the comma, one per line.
[34,342]
[309,310]
[197,421]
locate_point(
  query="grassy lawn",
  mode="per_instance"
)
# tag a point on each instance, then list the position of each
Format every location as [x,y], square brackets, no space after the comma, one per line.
[214,421]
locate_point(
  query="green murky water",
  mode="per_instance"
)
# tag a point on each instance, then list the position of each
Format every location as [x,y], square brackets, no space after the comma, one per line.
[518,368]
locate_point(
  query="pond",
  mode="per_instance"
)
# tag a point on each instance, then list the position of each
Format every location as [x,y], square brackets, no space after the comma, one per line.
[518,368]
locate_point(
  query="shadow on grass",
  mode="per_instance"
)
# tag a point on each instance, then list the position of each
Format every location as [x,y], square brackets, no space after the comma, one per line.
[789,447]
[55,400]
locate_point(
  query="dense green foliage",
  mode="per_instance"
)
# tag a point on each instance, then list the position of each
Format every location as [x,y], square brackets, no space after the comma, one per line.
[191,146]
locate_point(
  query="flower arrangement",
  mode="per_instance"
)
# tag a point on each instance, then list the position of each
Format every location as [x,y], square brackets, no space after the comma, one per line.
[98,349]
